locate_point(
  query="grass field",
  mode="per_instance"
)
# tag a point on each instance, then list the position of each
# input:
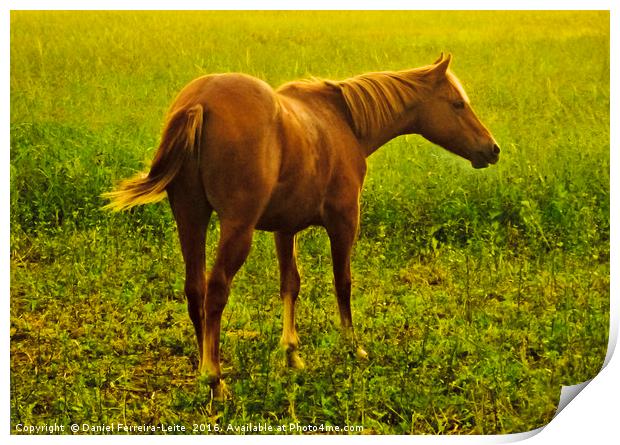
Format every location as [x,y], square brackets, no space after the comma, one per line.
[477,293]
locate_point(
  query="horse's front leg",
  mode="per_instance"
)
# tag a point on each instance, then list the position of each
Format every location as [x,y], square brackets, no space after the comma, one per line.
[289,290]
[342,230]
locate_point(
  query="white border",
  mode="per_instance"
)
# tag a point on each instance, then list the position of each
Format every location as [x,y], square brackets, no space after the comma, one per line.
[590,418]
[309,4]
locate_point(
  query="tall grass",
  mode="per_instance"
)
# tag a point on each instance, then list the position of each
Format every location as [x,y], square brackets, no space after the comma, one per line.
[477,293]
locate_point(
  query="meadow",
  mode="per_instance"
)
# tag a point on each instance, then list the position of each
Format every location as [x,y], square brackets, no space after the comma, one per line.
[477,293]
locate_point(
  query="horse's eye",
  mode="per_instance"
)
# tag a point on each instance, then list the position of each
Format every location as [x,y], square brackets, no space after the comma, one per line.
[459,104]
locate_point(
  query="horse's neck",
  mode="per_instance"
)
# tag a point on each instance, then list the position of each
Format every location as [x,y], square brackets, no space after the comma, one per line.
[401,126]
[326,97]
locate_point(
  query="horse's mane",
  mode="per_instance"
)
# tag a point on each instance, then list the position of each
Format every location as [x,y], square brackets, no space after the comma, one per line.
[378,99]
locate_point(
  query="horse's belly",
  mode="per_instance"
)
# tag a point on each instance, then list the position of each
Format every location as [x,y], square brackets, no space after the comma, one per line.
[281,223]
[291,210]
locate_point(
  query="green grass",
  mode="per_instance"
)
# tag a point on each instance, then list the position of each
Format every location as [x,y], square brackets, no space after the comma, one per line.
[477,293]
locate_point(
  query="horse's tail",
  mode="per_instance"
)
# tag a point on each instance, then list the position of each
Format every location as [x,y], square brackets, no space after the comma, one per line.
[180,143]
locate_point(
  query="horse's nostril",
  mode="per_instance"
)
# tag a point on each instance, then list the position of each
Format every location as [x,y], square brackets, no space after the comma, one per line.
[496,149]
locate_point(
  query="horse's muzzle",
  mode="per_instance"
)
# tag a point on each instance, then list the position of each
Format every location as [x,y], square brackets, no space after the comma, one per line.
[494,156]
[484,158]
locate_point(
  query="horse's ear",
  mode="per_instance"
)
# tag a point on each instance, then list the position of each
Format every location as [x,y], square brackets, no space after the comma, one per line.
[442,66]
[438,60]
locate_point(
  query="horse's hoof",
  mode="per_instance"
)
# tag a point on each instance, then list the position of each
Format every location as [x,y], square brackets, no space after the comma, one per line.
[294,361]
[361,354]
[219,391]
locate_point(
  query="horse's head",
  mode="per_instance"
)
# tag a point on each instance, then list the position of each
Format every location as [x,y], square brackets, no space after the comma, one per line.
[447,118]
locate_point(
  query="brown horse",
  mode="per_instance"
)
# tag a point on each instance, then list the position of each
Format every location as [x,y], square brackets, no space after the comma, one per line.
[284,160]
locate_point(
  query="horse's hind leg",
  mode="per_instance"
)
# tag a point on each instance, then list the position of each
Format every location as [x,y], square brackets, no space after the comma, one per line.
[192,213]
[233,249]
[289,290]
[207,298]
